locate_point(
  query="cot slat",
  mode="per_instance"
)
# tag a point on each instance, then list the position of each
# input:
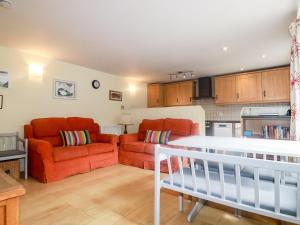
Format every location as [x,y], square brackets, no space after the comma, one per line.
[256,187]
[221,169]
[170,170]
[207,177]
[277,191]
[181,171]
[193,174]
[238,182]
[298,195]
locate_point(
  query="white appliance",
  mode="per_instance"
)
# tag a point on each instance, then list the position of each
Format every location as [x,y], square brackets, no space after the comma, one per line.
[223,129]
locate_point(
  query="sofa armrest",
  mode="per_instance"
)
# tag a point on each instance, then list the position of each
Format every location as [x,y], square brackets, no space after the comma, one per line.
[195,129]
[126,138]
[43,148]
[108,138]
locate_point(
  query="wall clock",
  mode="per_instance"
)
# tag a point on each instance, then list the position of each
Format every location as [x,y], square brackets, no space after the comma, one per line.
[95,84]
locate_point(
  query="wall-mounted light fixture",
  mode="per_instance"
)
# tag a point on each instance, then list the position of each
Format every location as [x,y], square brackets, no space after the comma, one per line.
[36,69]
[132,88]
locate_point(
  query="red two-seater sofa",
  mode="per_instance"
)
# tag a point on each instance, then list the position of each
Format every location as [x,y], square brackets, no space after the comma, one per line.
[50,161]
[135,152]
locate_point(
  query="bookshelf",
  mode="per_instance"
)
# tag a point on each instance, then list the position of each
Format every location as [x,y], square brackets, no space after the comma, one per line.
[268,127]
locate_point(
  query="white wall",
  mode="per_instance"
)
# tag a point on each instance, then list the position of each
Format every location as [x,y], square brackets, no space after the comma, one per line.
[194,113]
[31,97]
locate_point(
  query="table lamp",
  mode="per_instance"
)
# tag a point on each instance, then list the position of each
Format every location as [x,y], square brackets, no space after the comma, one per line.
[125,119]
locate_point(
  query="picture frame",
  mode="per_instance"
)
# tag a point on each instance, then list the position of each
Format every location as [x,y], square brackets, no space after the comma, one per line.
[4,79]
[1,101]
[63,89]
[115,95]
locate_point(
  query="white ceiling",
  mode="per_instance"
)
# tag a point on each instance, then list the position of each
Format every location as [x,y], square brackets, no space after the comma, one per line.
[148,39]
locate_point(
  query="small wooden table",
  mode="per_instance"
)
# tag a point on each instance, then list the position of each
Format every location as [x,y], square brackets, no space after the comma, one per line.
[10,192]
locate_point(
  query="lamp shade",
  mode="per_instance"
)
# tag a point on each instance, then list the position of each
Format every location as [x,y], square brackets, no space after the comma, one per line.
[125,119]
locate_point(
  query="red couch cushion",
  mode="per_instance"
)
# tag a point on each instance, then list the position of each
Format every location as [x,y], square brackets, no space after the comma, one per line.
[134,147]
[48,127]
[150,148]
[178,127]
[55,141]
[99,148]
[149,125]
[78,123]
[67,153]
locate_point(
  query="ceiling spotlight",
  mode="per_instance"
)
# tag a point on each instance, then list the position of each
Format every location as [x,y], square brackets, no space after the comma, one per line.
[225,48]
[264,56]
[242,69]
[7,4]
[184,76]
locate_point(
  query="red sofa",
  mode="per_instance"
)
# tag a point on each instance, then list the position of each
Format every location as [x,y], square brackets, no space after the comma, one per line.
[49,161]
[134,152]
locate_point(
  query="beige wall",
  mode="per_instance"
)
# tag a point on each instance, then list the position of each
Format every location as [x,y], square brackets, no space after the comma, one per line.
[195,113]
[31,97]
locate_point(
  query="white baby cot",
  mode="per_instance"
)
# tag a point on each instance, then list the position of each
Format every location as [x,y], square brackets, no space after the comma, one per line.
[255,180]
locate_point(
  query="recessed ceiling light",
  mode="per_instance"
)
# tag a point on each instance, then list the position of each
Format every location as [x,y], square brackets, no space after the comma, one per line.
[225,48]
[264,56]
[242,69]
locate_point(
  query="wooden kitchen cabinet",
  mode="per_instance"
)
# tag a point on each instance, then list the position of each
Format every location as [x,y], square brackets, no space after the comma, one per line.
[263,86]
[225,89]
[248,88]
[155,95]
[180,93]
[185,92]
[171,94]
[276,85]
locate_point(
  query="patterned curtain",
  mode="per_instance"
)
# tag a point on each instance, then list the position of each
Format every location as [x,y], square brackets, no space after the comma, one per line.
[295,80]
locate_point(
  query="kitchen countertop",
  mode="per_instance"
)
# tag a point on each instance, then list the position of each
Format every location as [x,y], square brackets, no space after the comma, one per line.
[223,121]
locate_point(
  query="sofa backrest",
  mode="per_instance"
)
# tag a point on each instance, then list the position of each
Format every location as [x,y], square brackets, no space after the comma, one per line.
[48,128]
[149,125]
[179,127]
[79,123]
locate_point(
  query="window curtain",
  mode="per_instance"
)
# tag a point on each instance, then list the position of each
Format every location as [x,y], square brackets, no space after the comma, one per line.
[295,80]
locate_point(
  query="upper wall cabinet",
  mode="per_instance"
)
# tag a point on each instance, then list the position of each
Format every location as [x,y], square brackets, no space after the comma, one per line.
[248,88]
[180,93]
[155,95]
[276,85]
[186,93]
[255,87]
[171,94]
[225,89]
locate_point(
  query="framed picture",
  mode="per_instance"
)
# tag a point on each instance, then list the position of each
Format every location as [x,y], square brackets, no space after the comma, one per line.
[64,89]
[1,101]
[4,79]
[115,95]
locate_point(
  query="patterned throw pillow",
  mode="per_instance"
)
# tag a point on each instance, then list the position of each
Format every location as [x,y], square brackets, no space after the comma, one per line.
[157,137]
[73,138]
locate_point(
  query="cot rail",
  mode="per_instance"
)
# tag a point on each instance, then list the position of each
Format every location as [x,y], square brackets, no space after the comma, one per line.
[278,167]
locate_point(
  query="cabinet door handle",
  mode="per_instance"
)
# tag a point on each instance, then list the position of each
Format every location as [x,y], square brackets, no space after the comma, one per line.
[190,99]
[265,93]
[237,95]
[157,100]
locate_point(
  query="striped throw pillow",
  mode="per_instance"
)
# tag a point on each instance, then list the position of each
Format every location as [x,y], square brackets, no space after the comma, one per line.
[157,137]
[74,138]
